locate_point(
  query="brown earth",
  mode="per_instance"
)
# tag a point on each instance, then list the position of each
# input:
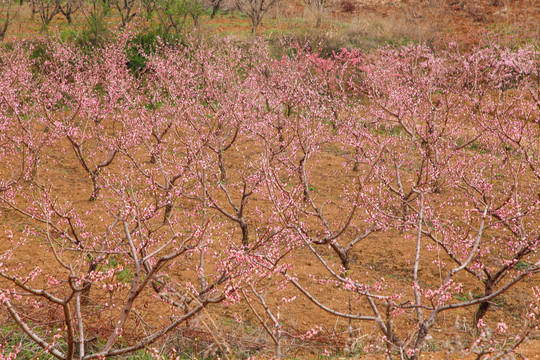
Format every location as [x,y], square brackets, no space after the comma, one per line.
[467,21]
[386,255]
[389,258]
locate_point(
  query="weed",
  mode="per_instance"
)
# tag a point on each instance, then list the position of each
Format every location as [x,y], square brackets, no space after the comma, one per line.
[522,265]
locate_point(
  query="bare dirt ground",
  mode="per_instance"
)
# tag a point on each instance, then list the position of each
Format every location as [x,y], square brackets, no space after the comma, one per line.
[385,256]
[389,259]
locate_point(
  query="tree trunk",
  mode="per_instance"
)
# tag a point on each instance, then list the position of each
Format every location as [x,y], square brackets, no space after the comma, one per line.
[222,170]
[95,188]
[215,9]
[85,294]
[245,233]
[483,307]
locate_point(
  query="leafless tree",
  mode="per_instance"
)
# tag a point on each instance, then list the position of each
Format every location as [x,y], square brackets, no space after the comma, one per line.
[255,10]
[6,15]
[149,7]
[68,8]
[215,7]
[173,14]
[47,9]
[317,7]
[94,8]
[128,9]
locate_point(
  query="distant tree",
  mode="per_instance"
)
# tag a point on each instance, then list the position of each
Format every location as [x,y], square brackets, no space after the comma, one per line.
[255,10]
[47,9]
[127,9]
[68,8]
[215,7]
[318,7]
[95,12]
[6,15]
[149,7]
[173,14]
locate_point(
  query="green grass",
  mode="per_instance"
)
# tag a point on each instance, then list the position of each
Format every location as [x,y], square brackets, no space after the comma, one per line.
[522,265]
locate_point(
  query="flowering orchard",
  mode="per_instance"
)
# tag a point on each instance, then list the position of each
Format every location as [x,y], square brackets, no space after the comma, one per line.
[390,191]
